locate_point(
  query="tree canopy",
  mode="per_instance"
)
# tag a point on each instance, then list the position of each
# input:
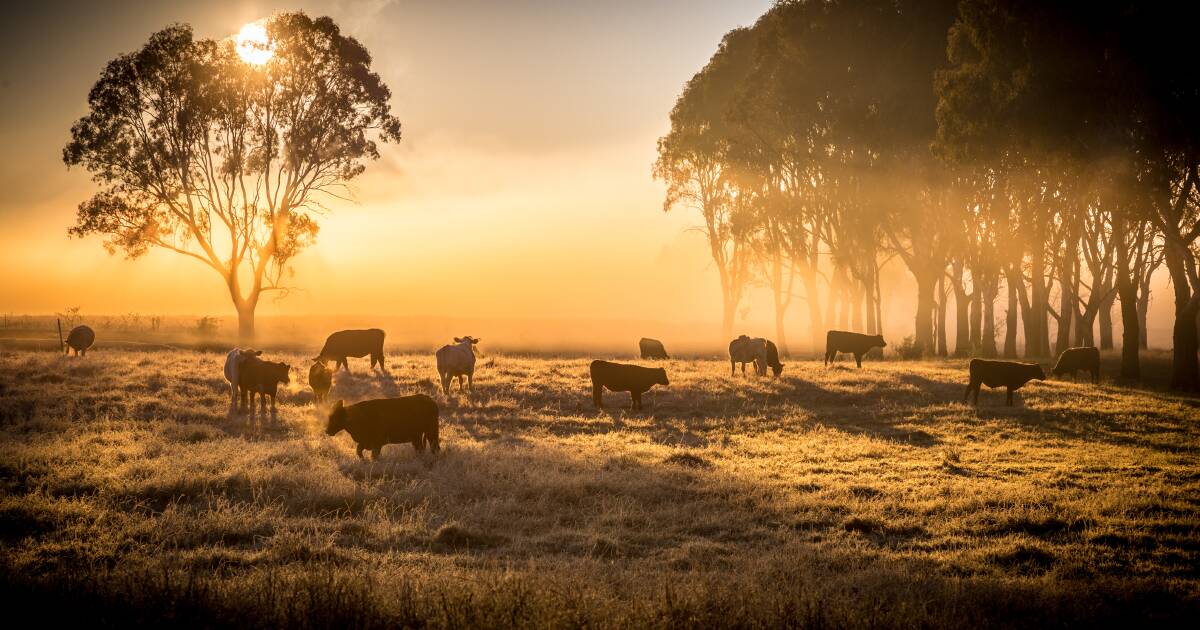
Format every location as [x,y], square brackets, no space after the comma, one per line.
[201,153]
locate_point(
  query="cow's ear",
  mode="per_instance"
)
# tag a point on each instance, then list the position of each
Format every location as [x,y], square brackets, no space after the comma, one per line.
[458,340]
[475,340]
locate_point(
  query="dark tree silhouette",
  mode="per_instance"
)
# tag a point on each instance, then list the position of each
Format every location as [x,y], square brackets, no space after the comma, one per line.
[205,155]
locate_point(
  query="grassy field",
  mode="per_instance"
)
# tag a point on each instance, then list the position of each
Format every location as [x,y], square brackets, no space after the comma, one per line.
[832,496]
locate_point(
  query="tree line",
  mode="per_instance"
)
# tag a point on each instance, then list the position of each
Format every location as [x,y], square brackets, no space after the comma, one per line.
[1027,160]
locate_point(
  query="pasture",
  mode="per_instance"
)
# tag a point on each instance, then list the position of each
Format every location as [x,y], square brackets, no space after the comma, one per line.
[832,496]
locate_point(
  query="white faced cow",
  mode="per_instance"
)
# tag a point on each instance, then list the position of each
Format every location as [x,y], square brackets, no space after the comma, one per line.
[457,360]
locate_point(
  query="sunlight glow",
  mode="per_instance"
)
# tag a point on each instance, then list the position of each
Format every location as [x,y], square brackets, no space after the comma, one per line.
[253,44]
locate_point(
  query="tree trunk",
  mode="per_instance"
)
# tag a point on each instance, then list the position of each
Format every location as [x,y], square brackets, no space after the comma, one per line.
[808,275]
[943,347]
[963,303]
[987,341]
[1131,333]
[1010,321]
[245,311]
[1185,364]
[1106,322]
[1143,311]
[976,328]
[1066,312]
[925,305]
[856,292]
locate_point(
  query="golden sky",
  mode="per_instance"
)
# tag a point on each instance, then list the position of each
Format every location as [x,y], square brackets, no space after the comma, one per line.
[522,186]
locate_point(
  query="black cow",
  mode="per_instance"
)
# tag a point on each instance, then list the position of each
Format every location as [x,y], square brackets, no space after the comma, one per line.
[855,343]
[353,343]
[1009,374]
[618,377]
[256,376]
[1072,360]
[652,349]
[375,423]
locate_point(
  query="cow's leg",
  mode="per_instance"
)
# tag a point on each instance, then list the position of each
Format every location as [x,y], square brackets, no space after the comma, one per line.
[967,393]
[858,358]
[1010,397]
[1096,376]
[375,452]
[597,392]
[359,449]
[419,444]
[732,367]
[471,381]
[637,399]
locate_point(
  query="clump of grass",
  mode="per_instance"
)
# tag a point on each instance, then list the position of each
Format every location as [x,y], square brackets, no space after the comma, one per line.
[688,460]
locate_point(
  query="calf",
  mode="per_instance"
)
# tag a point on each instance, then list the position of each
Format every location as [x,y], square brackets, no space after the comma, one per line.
[858,344]
[321,380]
[233,361]
[353,343]
[652,349]
[374,423]
[1009,374]
[263,378]
[618,377]
[761,352]
[1072,360]
[457,360]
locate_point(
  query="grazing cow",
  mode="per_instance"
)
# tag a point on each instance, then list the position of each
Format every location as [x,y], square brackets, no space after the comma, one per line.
[233,362]
[858,344]
[457,360]
[374,423]
[652,349]
[80,339]
[618,377]
[320,379]
[263,378]
[761,352]
[1009,374]
[1086,358]
[353,343]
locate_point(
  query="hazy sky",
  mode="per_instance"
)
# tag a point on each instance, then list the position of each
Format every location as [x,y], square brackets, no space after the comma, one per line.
[522,185]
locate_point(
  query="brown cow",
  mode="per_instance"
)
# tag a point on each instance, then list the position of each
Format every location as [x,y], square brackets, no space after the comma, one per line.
[618,377]
[372,424]
[1009,374]
[353,343]
[261,377]
[1072,360]
[855,343]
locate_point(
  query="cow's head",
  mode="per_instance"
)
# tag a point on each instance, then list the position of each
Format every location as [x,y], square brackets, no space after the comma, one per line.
[777,369]
[337,419]
[280,372]
[660,376]
[880,342]
[1036,371]
[466,338]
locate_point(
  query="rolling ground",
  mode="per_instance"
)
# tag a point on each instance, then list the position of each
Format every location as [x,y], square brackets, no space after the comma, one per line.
[832,496]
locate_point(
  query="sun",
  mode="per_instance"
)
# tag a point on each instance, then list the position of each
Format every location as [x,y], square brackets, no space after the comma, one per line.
[253,45]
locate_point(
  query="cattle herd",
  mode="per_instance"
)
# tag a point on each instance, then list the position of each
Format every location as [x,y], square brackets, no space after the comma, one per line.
[414,419]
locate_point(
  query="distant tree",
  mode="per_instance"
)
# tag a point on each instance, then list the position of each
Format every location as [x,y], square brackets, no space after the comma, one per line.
[1063,82]
[201,153]
[693,160]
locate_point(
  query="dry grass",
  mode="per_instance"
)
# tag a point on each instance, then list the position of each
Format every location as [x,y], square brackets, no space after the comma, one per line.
[834,496]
